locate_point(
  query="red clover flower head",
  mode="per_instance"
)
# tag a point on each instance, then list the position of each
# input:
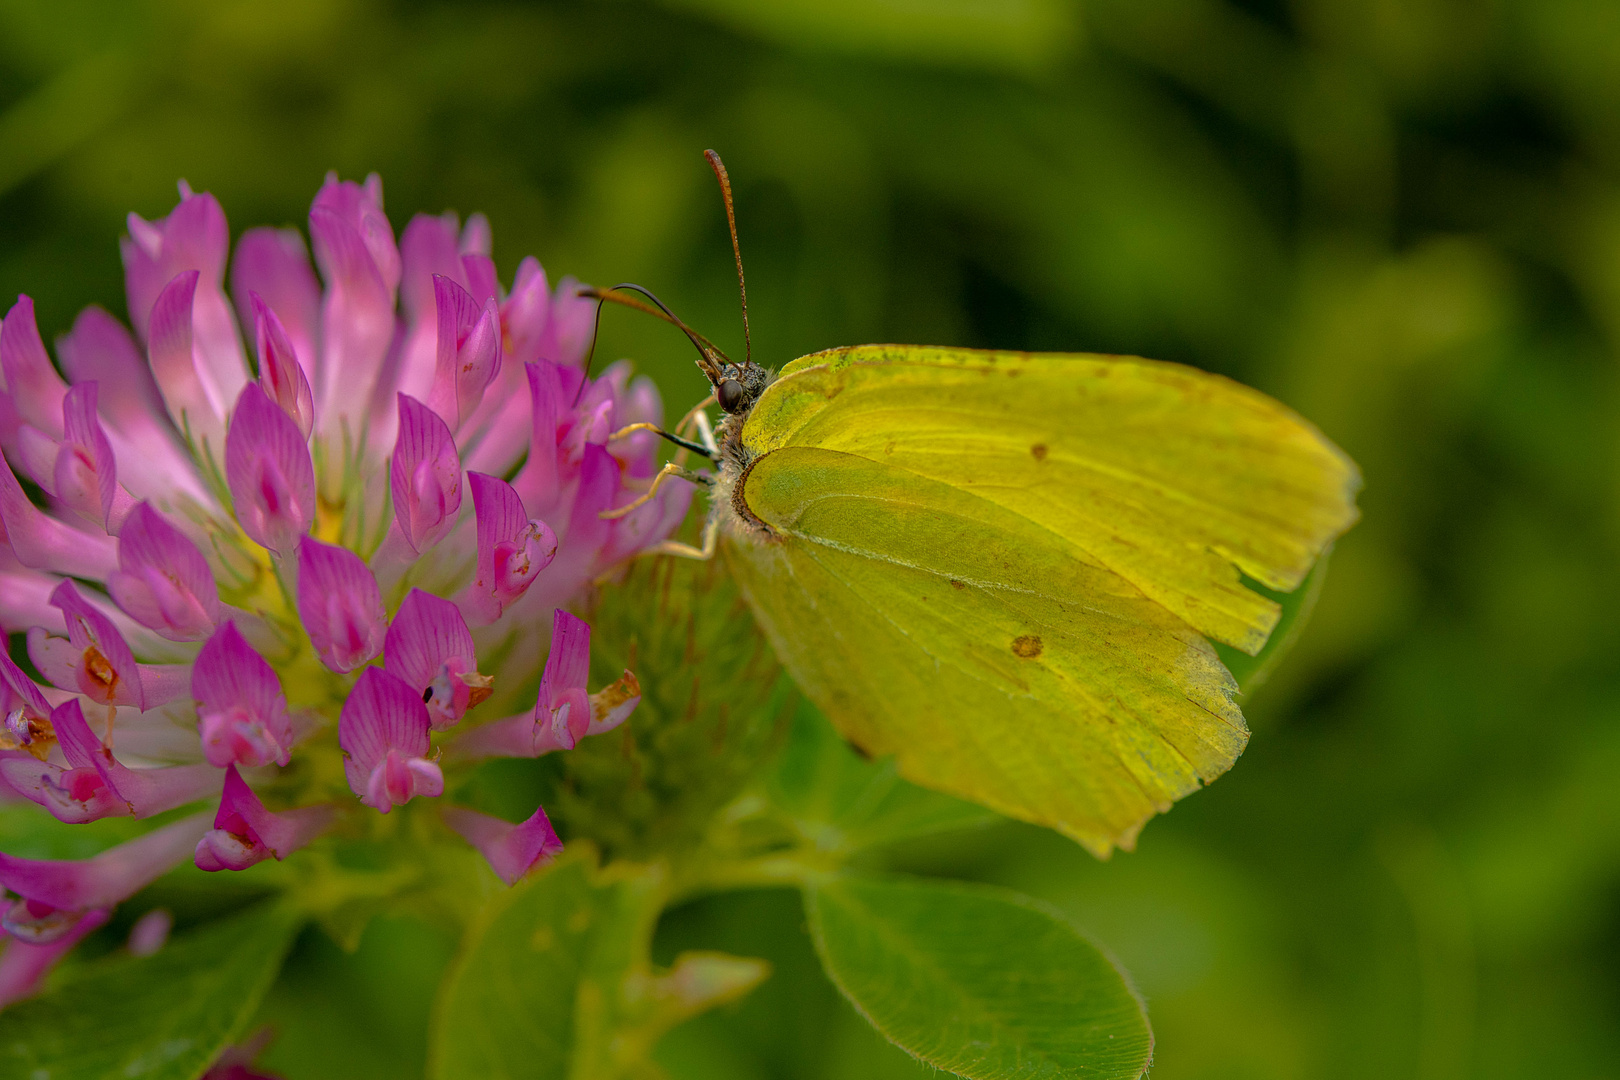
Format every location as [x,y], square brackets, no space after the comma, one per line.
[304,510]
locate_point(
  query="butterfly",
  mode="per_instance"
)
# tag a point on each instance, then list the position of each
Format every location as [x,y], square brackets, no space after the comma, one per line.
[1007,569]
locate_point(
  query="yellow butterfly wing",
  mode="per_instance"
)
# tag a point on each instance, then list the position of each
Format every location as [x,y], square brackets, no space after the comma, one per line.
[1006,579]
[1174,478]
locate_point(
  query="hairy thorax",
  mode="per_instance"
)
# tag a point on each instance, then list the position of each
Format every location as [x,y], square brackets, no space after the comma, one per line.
[727,505]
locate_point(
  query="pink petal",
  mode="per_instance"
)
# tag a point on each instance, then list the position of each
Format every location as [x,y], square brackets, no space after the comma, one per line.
[469,350]
[36,452]
[86,472]
[589,425]
[153,465]
[647,525]
[48,887]
[195,401]
[163,582]
[80,746]
[426,632]
[194,238]
[550,397]
[597,489]
[245,832]
[55,658]
[149,792]
[35,388]
[524,314]
[476,238]
[397,779]
[9,421]
[427,249]
[105,671]
[27,713]
[482,280]
[512,549]
[275,264]
[384,730]
[424,475]
[99,349]
[241,711]
[569,326]
[354,246]
[563,712]
[512,850]
[24,965]
[141,792]
[340,605]
[269,472]
[430,649]
[76,794]
[510,736]
[24,595]
[382,713]
[497,435]
[568,664]
[640,403]
[43,543]
[561,725]
[281,374]
[163,683]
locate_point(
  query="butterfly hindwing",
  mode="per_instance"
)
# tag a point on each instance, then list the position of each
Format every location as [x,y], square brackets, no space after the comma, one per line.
[990,656]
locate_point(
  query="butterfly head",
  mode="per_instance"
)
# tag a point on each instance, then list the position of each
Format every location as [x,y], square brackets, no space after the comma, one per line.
[738,386]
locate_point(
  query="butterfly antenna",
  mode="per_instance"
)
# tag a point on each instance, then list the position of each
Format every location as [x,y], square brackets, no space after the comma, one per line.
[590,356]
[709,354]
[719,168]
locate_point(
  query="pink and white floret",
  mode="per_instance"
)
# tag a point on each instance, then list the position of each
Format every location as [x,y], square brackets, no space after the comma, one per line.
[321,513]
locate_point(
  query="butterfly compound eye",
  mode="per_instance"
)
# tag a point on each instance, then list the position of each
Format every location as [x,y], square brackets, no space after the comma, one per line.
[731,395]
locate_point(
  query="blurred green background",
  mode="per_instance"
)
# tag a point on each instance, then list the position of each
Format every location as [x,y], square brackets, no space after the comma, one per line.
[1400,216]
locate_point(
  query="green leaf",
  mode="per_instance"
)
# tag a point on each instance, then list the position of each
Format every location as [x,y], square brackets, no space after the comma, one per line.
[840,802]
[554,981]
[161,1017]
[976,980]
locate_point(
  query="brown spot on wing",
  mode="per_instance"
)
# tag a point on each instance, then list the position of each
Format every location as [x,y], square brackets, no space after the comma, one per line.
[1038,451]
[1027,646]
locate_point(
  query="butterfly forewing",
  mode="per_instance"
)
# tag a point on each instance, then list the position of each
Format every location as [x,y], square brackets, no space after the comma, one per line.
[1174,478]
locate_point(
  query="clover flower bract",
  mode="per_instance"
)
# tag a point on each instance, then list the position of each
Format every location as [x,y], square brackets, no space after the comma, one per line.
[290,522]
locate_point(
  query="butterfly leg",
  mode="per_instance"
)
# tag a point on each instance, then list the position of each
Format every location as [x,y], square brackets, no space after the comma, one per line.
[671,469]
[706,433]
[685,444]
[691,414]
[711,537]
